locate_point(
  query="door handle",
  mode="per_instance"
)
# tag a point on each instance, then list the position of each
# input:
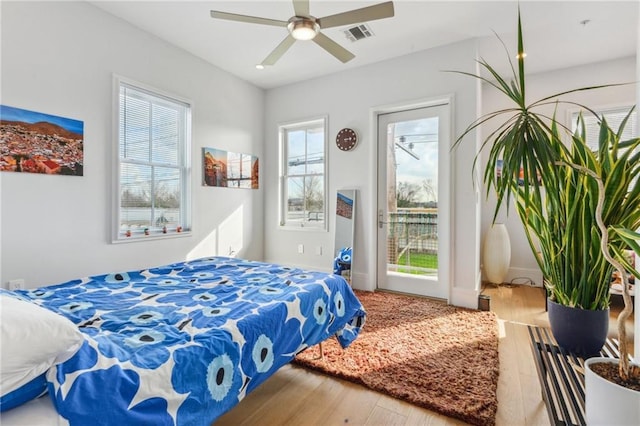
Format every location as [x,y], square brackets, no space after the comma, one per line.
[381,221]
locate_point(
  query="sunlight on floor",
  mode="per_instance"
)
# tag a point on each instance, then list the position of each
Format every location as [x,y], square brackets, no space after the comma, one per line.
[502,332]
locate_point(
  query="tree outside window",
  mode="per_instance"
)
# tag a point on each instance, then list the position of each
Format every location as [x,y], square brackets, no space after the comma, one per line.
[303,174]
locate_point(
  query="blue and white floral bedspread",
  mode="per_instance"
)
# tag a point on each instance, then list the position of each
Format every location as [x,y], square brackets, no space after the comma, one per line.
[184,343]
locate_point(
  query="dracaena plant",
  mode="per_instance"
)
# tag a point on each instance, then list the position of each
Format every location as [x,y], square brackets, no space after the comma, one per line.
[564,219]
[567,196]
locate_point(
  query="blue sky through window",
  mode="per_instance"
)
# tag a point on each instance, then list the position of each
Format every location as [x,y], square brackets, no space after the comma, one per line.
[421,138]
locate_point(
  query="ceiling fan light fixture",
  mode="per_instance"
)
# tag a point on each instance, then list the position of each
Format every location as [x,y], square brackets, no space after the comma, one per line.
[303,28]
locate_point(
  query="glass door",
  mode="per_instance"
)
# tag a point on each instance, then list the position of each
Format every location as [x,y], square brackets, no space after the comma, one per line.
[413,211]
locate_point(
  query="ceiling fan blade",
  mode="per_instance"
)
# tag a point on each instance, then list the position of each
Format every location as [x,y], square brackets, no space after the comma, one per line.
[334,48]
[245,18]
[369,13]
[301,7]
[279,51]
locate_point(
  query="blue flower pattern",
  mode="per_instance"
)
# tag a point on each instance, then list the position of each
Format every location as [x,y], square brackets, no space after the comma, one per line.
[143,347]
[214,327]
[112,407]
[213,382]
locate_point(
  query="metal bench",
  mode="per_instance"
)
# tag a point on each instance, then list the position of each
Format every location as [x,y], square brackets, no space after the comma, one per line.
[562,376]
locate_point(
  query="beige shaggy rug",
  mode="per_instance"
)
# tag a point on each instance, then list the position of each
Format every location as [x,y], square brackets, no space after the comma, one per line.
[422,351]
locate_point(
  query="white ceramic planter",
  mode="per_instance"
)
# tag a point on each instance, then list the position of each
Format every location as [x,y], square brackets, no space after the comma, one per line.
[606,403]
[496,253]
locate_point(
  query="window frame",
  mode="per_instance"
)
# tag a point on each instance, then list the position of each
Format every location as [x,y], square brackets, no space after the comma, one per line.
[283,128]
[572,115]
[184,160]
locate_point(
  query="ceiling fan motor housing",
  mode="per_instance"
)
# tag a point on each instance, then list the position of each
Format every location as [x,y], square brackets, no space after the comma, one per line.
[303,28]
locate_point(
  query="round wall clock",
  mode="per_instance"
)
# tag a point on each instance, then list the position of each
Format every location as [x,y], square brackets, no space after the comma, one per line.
[346,139]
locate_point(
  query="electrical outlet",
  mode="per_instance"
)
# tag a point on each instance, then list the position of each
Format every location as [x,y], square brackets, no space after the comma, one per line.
[17,284]
[301,248]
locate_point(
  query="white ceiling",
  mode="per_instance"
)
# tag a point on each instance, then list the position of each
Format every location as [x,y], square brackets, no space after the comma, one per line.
[553,32]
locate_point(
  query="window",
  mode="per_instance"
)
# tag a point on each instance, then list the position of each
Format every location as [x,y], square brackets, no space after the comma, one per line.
[614,117]
[302,174]
[154,135]
[239,170]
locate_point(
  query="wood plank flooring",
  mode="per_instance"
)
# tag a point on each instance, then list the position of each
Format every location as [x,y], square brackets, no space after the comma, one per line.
[295,396]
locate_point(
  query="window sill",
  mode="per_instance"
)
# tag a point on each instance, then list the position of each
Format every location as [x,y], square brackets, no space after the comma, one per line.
[303,228]
[135,239]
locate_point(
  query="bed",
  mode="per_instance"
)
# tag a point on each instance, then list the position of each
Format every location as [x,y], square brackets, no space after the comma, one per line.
[181,344]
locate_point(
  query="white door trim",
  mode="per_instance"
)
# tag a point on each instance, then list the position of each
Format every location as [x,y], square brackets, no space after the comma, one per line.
[447,198]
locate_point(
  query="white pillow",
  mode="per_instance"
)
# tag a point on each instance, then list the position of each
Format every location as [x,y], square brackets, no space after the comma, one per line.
[32,339]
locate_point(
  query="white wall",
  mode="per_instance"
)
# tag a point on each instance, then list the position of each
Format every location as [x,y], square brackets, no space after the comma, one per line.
[348,98]
[58,58]
[539,86]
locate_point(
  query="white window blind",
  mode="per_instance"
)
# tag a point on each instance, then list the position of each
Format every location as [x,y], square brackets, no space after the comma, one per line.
[303,168]
[614,117]
[153,164]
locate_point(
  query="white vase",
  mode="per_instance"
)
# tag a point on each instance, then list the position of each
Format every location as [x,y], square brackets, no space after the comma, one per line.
[496,253]
[607,403]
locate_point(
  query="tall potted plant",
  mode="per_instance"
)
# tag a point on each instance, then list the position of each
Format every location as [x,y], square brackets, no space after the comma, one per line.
[614,397]
[579,207]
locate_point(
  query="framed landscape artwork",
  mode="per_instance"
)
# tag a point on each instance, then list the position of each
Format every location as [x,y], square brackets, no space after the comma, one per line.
[34,142]
[229,169]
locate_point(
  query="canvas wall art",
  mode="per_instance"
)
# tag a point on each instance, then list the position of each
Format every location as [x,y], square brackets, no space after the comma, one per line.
[520,177]
[344,206]
[34,142]
[229,169]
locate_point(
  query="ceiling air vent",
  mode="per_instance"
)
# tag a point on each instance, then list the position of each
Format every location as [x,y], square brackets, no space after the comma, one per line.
[358,32]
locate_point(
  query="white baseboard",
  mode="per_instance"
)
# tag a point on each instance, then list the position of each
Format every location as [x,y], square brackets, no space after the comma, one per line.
[525,276]
[522,276]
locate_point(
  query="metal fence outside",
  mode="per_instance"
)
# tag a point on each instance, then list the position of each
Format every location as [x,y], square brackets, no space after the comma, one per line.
[412,241]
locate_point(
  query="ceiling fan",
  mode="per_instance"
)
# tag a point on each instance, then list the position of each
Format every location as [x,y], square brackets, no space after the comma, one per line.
[303,26]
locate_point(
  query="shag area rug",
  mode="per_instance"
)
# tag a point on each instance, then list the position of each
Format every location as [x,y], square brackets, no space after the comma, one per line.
[422,351]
